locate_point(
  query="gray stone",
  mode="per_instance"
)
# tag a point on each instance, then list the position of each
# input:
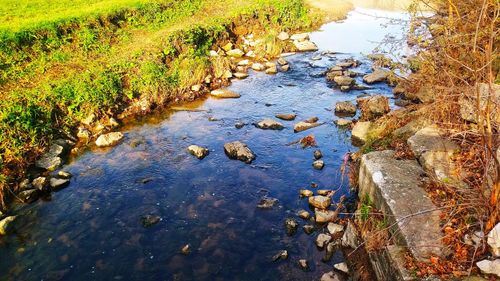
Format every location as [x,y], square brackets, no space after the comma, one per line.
[350,237]
[378,75]
[469,104]
[51,160]
[239,151]
[359,133]
[320,202]
[198,151]
[300,37]
[334,228]
[345,108]
[395,188]
[341,267]
[64,174]
[57,184]
[318,164]
[302,126]
[28,196]
[6,225]
[494,240]
[41,183]
[343,80]
[373,107]
[489,267]
[286,117]
[224,94]
[283,36]
[324,216]
[258,67]
[235,53]
[269,124]
[305,46]
[109,139]
[322,240]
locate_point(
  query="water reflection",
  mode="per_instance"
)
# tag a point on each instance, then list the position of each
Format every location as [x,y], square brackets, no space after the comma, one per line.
[92,230]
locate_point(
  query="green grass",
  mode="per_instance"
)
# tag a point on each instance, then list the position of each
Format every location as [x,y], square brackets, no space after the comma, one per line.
[60,62]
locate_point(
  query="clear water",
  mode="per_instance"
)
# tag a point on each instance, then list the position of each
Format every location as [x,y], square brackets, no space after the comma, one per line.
[92,229]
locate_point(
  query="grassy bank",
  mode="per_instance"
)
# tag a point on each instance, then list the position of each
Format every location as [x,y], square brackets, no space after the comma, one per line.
[59,65]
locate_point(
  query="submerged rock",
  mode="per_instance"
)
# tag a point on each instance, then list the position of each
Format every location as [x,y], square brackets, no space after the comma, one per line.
[291,226]
[286,117]
[302,126]
[322,240]
[320,202]
[109,139]
[318,164]
[318,154]
[150,220]
[239,151]
[308,228]
[267,203]
[224,94]
[198,151]
[28,196]
[269,124]
[281,255]
[6,225]
[303,214]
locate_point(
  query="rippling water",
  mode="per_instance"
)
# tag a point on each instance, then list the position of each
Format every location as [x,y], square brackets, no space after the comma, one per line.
[92,229]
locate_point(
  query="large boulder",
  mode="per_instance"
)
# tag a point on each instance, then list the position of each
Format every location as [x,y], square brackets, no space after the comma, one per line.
[270,124]
[378,75]
[239,151]
[373,107]
[109,139]
[345,108]
[224,94]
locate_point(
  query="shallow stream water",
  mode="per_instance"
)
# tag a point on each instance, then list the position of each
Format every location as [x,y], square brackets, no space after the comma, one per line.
[92,229]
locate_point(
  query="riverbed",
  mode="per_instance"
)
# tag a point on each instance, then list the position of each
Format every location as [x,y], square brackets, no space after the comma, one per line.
[92,229]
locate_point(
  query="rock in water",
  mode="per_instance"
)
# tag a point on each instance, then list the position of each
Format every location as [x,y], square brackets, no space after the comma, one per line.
[198,151]
[28,196]
[345,108]
[109,139]
[303,214]
[267,203]
[334,228]
[272,70]
[281,255]
[300,37]
[322,240]
[64,174]
[343,80]
[150,220]
[240,75]
[306,193]
[302,126]
[318,154]
[258,66]
[6,225]
[343,122]
[291,226]
[41,183]
[378,75]
[303,264]
[342,267]
[239,151]
[269,124]
[324,216]
[320,202]
[318,164]
[57,184]
[286,117]
[308,229]
[51,160]
[186,249]
[224,94]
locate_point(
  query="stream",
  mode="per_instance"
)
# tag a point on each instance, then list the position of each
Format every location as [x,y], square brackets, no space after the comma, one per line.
[92,229]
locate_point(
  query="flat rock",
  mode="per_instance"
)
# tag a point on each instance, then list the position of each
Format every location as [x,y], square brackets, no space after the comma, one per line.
[343,80]
[302,126]
[286,117]
[359,133]
[239,151]
[378,75]
[198,151]
[306,193]
[240,75]
[395,188]
[269,124]
[489,267]
[345,108]
[300,37]
[305,46]
[272,70]
[343,122]
[322,240]
[494,240]
[258,66]
[224,94]
[109,139]
[57,184]
[6,225]
[303,214]
[320,202]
